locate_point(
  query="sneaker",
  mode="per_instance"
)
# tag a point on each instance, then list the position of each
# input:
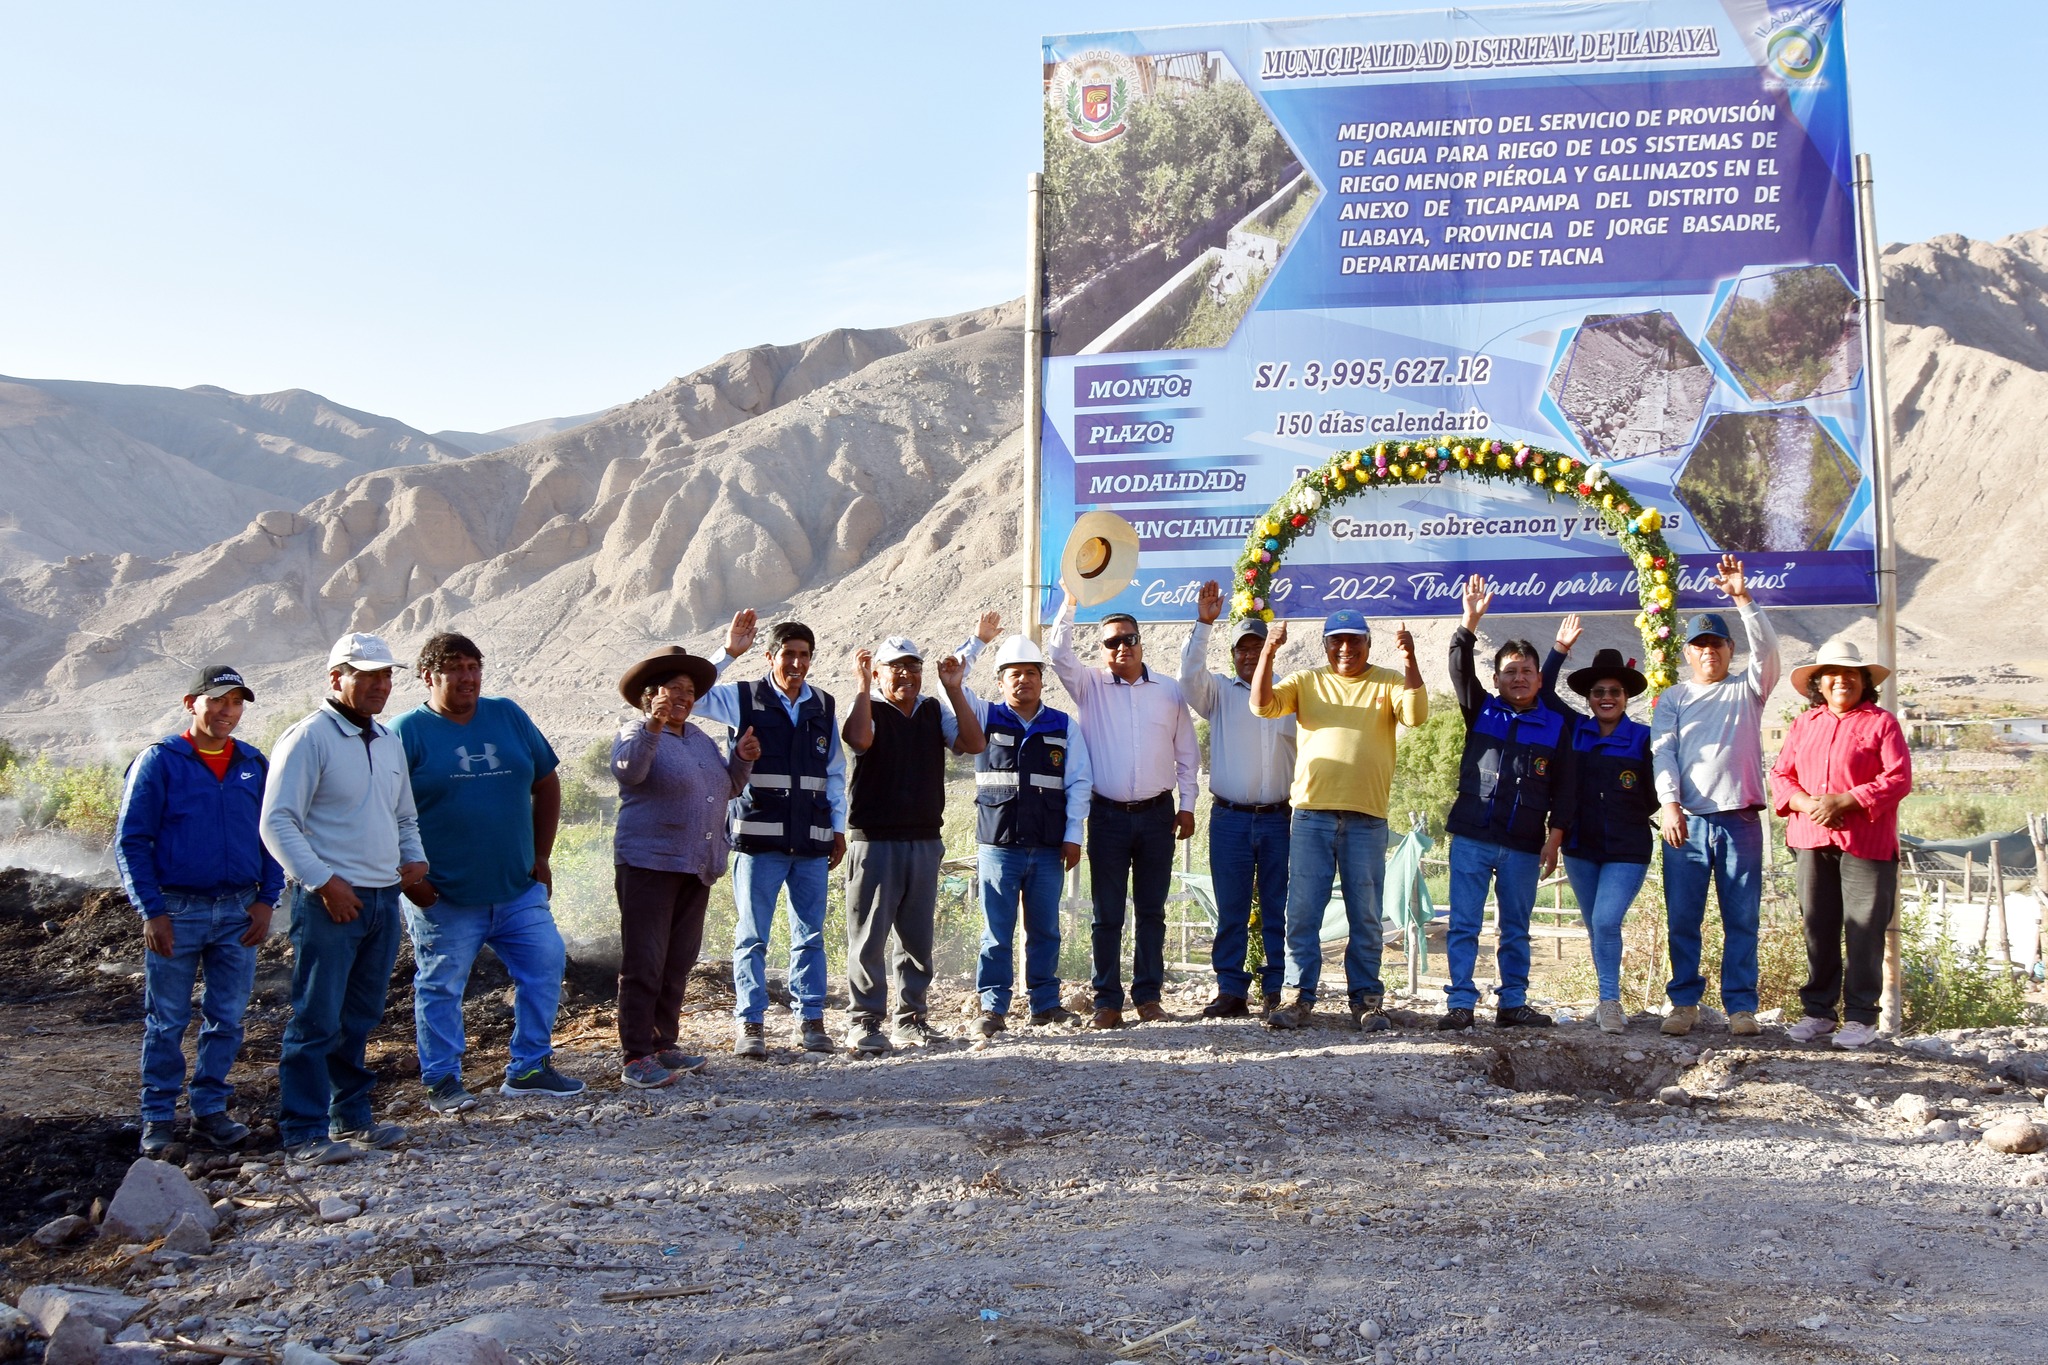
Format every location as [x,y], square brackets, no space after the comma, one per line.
[864,1035]
[375,1138]
[749,1039]
[678,1061]
[321,1152]
[1743,1024]
[1453,1020]
[1368,1014]
[1853,1034]
[1811,1028]
[1610,1018]
[1679,1022]
[1059,1016]
[914,1031]
[814,1038]
[1521,1016]
[988,1024]
[218,1131]
[450,1096]
[543,1080]
[157,1137]
[1226,1007]
[1296,1013]
[646,1073]
[1152,1012]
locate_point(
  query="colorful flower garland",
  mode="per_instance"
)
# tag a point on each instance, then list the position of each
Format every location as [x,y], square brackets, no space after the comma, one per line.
[1351,472]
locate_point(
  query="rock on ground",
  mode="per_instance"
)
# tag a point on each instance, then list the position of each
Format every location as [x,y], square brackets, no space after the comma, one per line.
[48,1305]
[150,1200]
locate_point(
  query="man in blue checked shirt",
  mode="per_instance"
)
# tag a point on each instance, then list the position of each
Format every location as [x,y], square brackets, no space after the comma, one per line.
[192,861]
[1251,766]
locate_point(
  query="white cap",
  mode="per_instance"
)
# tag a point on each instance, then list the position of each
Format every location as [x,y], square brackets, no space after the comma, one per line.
[894,648]
[365,653]
[1019,649]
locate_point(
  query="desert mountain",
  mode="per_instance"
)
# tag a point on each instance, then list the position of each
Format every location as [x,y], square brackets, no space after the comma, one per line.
[871,482]
[484,442]
[132,468]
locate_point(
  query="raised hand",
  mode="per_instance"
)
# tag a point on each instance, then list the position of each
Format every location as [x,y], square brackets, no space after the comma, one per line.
[739,636]
[1568,632]
[661,710]
[1404,641]
[864,668]
[951,671]
[747,746]
[1276,637]
[1730,579]
[1477,598]
[990,626]
[1209,603]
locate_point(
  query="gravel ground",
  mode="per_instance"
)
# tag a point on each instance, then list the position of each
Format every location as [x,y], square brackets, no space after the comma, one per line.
[1060,1197]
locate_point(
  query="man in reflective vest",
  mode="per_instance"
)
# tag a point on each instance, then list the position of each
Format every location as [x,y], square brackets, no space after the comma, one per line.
[1515,800]
[1031,791]
[788,825]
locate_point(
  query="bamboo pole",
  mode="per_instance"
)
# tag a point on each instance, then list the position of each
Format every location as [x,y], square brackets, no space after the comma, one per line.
[1997,906]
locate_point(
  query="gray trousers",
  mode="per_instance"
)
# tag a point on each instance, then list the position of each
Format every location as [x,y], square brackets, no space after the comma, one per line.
[891,884]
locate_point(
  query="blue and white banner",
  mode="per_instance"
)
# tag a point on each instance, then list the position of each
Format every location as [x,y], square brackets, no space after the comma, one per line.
[1621,230]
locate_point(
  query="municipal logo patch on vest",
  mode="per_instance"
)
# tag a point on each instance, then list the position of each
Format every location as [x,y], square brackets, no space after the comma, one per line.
[1542,766]
[1628,779]
[824,743]
[1055,756]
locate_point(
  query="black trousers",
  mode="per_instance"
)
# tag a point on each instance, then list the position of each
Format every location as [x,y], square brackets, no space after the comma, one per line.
[661,928]
[1130,853]
[1845,898]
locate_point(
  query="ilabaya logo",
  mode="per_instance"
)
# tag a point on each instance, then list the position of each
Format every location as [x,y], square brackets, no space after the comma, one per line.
[1094,91]
[1795,51]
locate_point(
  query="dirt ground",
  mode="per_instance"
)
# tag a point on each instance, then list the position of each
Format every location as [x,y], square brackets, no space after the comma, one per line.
[1234,1193]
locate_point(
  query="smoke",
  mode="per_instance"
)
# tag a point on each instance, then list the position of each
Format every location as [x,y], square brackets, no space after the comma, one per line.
[50,851]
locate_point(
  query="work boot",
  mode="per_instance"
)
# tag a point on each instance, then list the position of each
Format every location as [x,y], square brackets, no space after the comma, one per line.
[1454,1020]
[218,1131]
[1056,1017]
[989,1023]
[1268,1002]
[913,1031]
[864,1035]
[1106,1018]
[1679,1022]
[157,1137]
[749,1039]
[1295,1013]
[1369,1015]
[1225,1006]
[1152,1012]
[814,1037]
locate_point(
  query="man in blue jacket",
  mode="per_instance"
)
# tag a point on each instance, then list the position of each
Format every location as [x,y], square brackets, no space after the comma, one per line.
[1515,801]
[193,863]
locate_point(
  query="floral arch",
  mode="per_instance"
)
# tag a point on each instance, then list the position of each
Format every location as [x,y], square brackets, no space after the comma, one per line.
[1352,473]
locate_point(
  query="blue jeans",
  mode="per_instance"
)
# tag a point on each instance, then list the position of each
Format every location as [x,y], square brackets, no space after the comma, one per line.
[206,934]
[1129,851]
[1349,849]
[341,976]
[1009,875]
[1604,892]
[1244,847]
[1726,850]
[445,940]
[1476,867]
[757,880]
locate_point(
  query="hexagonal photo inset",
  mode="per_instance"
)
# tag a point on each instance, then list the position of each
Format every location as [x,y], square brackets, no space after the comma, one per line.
[1631,384]
[1768,481]
[1790,334]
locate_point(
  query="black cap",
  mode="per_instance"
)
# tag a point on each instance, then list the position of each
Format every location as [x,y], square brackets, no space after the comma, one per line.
[217,680]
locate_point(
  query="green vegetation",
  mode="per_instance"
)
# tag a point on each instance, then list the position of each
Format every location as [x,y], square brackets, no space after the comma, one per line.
[1212,323]
[1948,986]
[1426,769]
[1727,483]
[1781,343]
[1283,228]
[1184,162]
[82,800]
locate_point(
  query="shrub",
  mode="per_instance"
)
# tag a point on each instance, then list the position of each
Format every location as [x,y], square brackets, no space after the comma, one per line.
[83,800]
[1426,768]
[1951,817]
[1947,986]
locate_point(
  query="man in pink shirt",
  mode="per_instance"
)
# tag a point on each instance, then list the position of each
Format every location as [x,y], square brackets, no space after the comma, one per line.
[1839,780]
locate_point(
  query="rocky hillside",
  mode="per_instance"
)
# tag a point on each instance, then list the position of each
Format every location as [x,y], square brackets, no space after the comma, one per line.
[871,481]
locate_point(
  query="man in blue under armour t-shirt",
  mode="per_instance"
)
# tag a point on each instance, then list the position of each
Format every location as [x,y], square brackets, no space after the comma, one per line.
[483,777]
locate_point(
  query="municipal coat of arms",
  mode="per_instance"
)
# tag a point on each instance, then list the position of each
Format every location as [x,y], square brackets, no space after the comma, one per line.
[1094,91]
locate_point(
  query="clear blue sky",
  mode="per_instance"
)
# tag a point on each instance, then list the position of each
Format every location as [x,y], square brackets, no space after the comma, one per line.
[470,215]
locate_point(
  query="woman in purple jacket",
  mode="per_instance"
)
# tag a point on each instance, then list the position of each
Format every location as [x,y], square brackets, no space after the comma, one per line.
[669,848]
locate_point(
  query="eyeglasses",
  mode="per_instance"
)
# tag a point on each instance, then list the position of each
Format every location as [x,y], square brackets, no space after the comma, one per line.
[1609,693]
[1116,642]
[905,665]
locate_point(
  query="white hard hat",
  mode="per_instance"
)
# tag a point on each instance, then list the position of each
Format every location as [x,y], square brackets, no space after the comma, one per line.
[1019,649]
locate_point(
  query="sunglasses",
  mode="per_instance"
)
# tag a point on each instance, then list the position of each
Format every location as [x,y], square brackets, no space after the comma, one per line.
[1116,642]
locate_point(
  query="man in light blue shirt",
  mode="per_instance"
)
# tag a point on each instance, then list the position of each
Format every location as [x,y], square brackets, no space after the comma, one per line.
[788,825]
[1251,766]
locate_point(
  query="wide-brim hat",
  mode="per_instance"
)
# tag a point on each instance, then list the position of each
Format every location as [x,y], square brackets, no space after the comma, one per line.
[1837,654]
[1608,663]
[659,667]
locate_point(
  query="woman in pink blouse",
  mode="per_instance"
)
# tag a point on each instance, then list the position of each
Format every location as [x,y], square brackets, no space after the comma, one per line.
[1839,780]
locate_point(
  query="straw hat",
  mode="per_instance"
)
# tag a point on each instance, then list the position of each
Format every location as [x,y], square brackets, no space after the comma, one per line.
[1837,654]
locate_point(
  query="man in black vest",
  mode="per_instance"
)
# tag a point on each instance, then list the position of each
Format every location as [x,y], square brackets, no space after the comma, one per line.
[1032,786]
[898,792]
[788,826]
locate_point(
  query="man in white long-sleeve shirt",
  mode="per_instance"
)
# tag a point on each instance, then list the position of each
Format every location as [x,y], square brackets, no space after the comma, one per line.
[1706,746]
[1141,745]
[1251,766]
[338,815]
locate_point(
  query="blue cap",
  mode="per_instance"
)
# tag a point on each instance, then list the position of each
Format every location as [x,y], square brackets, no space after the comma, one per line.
[1346,622]
[1707,623]
[1249,626]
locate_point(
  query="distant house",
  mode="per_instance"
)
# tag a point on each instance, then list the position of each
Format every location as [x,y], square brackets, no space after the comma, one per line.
[1928,733]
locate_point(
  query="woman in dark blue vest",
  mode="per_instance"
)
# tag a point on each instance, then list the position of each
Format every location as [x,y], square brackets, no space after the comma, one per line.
[1607,848]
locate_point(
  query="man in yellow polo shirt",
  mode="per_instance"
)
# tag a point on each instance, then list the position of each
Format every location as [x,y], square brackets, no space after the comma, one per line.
[1343,769]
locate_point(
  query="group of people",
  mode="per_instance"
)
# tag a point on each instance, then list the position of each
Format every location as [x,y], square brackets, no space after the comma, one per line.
[444,823]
